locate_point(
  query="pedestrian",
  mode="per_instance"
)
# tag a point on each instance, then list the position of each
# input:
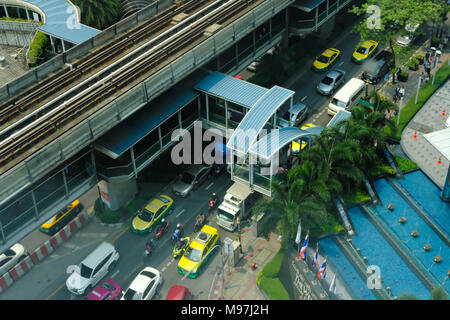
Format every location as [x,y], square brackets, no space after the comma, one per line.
[401,92]
[427,56]
[396,94]
[444,42]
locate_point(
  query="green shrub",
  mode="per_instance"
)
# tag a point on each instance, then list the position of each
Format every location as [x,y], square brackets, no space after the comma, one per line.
[110,216]
[405,164]
[272,269]
[37,47]
[273,288]
[135,204]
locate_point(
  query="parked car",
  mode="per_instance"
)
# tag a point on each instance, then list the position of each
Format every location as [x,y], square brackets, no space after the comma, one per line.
[408,35]
[194,258]
[144,286]
[178,293]
[108,290]
[58,221]
[376,69]
[191,179]
[11,257]
[364,51]
[92,269]
[294,116]
[326,60]
[151,214]
[332,80]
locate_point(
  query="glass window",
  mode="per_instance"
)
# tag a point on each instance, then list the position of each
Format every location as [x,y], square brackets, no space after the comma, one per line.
[146,215]
[3,262]
[187,178]
[193,254]
[323,59]
[130,294]
[148,274]
[149,287]
[85,271]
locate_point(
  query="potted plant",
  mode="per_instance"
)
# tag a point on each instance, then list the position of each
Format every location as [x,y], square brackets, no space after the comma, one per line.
[413,64]
[402,75]
[420,58]
[435,42]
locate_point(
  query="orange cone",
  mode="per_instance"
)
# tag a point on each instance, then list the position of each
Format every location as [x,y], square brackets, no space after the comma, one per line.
[415,135]
[439,162]
[443,113]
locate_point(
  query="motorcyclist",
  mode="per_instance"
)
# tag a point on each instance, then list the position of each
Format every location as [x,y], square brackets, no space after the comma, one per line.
[177,232]
[213,197]
[200,219]
[148,246]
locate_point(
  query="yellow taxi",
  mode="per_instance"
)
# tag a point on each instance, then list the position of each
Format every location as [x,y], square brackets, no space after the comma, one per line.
[197,254]
[364,50]
[295,146]
[58,221]
[153,212]
[326,59]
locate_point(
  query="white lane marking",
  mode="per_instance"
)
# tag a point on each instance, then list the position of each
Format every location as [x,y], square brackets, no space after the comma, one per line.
[340,63]
[168,264]
[179,214]
[209,186]
[91,235]
[303,99]
[163,269]
[115,274]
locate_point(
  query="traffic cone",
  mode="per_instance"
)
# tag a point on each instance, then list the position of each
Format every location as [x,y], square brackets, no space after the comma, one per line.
[415,135]
[439,162]
[443,113]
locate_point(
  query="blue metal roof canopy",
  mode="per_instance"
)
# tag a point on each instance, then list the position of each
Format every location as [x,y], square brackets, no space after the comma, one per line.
[62,21]
[341,115]
[307,5]
[253,122]
[277,139]
[231,89]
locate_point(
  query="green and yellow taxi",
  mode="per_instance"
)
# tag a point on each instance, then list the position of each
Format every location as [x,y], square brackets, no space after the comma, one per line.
[59,220]
[295,146]
[326,60]
[197,254]
[152,213]
[364,51]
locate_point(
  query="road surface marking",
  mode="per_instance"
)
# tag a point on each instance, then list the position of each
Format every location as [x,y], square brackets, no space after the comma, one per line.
[54,292]
[209,186]
[303,99]
[163,269]
[91,235]
[179,214]
[340,63]
[115,274]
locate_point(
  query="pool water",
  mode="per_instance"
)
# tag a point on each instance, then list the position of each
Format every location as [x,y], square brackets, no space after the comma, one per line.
[346,270]
[427,194]
[414,221]
[394,271]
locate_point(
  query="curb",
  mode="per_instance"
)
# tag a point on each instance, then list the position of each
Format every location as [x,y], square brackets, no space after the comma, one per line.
[43,251]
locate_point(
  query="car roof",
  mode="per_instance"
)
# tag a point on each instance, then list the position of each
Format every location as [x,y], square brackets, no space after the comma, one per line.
[176,292]
[333,73]
[140,283]
[156,203]
[297,107]
[98,253]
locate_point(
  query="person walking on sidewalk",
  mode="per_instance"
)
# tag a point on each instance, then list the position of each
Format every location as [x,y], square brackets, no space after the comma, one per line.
[401,92]
[426,65]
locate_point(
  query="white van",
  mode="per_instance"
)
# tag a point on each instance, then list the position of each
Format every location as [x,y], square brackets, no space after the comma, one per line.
[92,269]
[346,97]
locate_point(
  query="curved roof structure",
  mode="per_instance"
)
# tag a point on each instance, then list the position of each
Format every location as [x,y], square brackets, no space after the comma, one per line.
[61,19]
[253,122]
[270,144]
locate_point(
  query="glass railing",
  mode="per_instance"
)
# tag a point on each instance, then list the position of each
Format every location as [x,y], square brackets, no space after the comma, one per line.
[241,172]
[150,152]
[262,181]
[218,119]
[185,123]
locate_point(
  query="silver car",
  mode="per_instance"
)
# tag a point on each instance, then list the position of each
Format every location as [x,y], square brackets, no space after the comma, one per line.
[191,179]
[11,257]
[332,80]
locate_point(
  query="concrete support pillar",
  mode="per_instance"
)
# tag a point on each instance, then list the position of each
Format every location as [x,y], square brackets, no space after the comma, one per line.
[119,193]
[133,161]
[63,45]
[6,10]
[28,15]
[53,44]
[445,194]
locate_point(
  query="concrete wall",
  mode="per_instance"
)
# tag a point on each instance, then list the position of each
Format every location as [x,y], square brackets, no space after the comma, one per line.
[120,193]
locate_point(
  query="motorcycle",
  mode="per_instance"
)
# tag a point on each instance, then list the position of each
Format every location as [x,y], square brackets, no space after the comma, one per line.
[198,224]
[211,204]
[178,233]
[161,229]
[148,248]
[180,247]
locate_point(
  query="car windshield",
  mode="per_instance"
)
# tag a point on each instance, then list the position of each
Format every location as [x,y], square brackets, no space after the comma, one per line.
[225,215]
[193,254]
[323,59]
[146,215]
[130,294]
[338,103]
[362,50]
[327,80]
[187,178]
[163,199]
[85,271]
[108,286]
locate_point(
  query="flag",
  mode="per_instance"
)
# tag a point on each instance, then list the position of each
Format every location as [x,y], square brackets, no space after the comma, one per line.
[316,256]
[299,233]
[333,285]
[302,254]
[322,273]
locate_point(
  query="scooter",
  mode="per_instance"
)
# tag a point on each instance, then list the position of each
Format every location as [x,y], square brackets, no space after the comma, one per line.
[211,204]
[178,233]
[148,248]
[161,229]
[180,247]
[198,224]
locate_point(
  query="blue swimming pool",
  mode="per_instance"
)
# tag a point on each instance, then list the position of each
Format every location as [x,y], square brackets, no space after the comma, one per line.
[413,222]
[427,194]
[346,270]
[394,270]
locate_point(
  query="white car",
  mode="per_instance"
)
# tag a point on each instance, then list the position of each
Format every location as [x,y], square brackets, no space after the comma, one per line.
[144,286]
[11,257]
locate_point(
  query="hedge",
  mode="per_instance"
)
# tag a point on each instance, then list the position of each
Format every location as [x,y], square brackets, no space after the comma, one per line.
[268,280]
[37,47]
[406,164]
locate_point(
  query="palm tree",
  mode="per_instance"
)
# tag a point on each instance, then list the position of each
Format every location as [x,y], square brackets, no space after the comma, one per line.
[99,14]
